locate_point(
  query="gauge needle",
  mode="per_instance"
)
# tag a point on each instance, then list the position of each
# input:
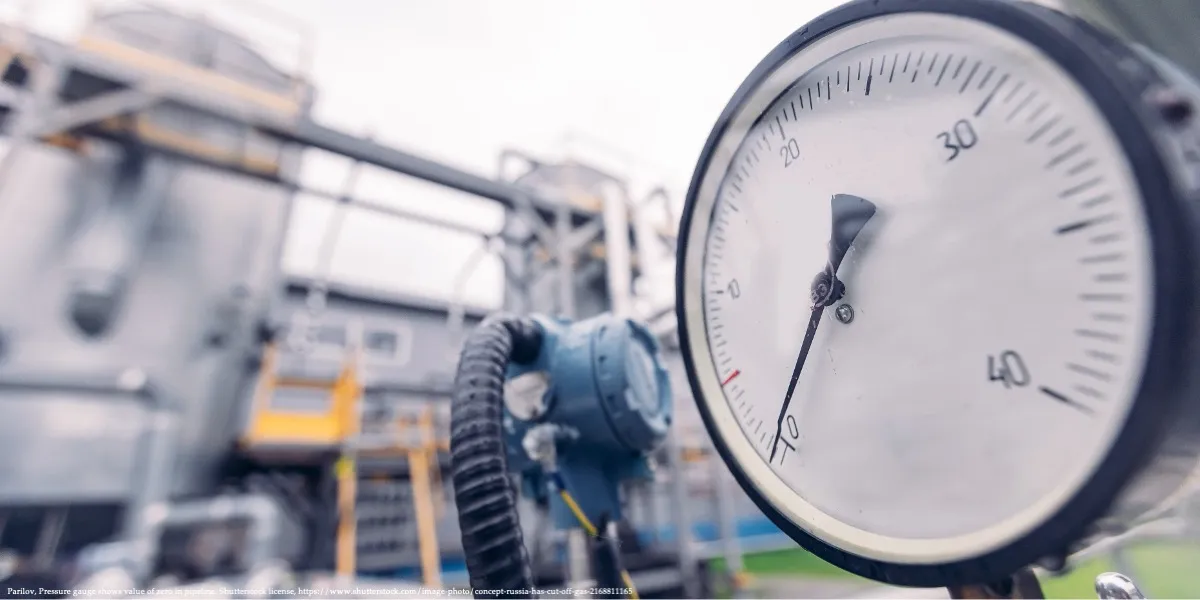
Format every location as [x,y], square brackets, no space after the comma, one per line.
[850,215]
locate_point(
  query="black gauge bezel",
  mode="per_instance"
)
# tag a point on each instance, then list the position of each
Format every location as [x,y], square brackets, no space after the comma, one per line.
[1118,83]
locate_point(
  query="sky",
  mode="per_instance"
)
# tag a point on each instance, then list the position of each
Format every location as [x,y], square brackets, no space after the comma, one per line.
[636,85]
[633,86]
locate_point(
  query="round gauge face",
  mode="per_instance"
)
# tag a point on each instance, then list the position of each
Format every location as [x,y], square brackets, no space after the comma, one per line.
[987,298]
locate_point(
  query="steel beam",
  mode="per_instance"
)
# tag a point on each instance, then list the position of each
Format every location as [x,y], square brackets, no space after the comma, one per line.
[298,130]
[378,207]
[311,134]
[406,388]
[581,236]
[66,117]
[303,131]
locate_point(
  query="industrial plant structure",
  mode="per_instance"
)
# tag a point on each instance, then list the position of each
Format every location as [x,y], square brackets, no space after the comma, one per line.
[183,410]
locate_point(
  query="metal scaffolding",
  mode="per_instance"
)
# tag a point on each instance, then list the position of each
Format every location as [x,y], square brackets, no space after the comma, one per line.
[66,93]
[564,240]
[57,94]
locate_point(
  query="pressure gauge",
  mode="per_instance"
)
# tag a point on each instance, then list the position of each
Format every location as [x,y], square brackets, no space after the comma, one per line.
[936,287]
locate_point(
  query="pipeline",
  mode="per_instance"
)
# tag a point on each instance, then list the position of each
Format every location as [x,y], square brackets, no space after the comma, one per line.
[493,544]
[262,512]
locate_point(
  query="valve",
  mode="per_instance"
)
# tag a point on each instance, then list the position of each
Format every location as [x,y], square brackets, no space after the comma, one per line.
[1115,586]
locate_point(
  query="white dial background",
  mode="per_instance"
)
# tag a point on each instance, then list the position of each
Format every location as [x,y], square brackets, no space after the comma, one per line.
[1028,240]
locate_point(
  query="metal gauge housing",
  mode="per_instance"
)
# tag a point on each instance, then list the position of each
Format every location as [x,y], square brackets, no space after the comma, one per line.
[936,287]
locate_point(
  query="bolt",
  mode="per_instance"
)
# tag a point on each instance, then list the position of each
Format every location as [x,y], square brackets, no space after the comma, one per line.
[1055,563]
[1172,105]
[844,313]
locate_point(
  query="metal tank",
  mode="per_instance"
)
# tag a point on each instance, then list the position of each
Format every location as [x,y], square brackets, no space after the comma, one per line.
[581,286]
[133,286]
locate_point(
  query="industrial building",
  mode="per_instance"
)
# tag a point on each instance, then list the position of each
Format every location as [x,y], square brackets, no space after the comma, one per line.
[232,421]
[241,422]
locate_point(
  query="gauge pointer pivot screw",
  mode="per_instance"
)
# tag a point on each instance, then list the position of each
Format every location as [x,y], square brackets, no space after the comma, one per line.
[850,215]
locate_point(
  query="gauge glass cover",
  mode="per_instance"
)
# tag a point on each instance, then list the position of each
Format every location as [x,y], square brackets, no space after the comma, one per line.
[998,305]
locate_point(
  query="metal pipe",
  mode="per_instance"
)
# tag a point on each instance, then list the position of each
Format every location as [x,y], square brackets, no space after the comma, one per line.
[96,108]
[317,136]
[456,313]
[579,564]
[537,542]
[1114,586]
[49,537]
[378,207]
[683,524]
[1121,561]
[652,265]
[507,155]
[333,229]
[372,205]
[650,501]
[143,528]
[565,266]
[727,517]
[260,511]
[405,388]
[130,382]
[516,257]
[42,87]
[299,130]
[318,287]
[616,236]
[660,193]
[269,579]
[102,561]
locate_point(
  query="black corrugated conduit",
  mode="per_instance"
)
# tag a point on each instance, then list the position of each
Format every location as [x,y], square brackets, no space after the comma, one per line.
[486,499]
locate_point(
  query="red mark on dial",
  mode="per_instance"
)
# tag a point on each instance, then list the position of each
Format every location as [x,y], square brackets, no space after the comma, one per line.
[735,373]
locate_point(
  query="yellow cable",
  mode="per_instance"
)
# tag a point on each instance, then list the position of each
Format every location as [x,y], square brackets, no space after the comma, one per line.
[591,529]
[628,579]
[578,512]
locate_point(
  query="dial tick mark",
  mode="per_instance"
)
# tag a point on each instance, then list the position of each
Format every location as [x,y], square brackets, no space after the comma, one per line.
[1063,399]
[1081,224]
[988,99]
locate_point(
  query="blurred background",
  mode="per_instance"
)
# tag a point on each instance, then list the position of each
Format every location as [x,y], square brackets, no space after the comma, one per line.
[424,164]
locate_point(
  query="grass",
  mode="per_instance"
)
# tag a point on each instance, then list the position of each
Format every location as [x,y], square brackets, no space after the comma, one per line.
[787,562]
[1161,571]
